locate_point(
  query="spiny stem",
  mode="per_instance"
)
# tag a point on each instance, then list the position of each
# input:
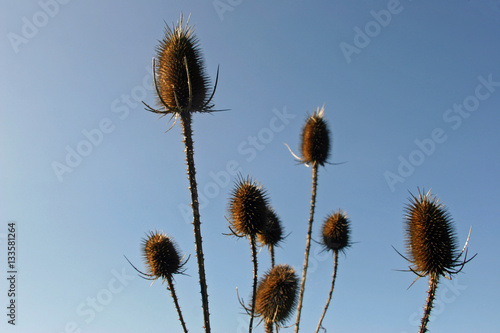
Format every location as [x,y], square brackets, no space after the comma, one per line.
[188,141]
[269,326]
[308,243]
[271,251]
[335,261]
[176,302]
[254,287]
[433,282]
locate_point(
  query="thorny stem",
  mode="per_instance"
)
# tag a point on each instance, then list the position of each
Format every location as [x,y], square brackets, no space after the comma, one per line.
[271,251]
[308,243]
[433,282]
[176,302]
[188,141]
[269,326]
[335,261]
[254,287]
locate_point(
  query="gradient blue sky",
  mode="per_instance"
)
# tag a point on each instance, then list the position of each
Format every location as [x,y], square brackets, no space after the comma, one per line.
[409,105]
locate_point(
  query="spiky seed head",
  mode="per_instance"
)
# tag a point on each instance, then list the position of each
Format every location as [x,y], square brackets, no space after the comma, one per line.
[276,296]
[178,55]
[315,144]
[273,232]
[430,236]
[248,208]
[335,231]
[161,255]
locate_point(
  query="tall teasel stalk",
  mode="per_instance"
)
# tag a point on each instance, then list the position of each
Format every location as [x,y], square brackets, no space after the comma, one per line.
[248,217]
[431,245]
[272,234]
[335,237]
[315,150]
[276,296]
[162,259]
[182,88]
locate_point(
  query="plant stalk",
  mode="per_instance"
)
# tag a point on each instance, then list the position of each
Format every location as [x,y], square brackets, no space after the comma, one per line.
[254,287]
[188,141]
[308,244]
[335,262]
[269,326]
[433,282]
[271,251]
[176,302]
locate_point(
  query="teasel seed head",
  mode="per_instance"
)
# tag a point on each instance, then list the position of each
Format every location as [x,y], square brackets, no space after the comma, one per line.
[161,255]
[315,144]
[276,296]
[180,77]
[248,208]
[272,234]
[430,236]
[336,231]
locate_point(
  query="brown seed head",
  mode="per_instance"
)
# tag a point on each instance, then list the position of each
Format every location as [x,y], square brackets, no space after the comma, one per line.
[161,255]
[248,208]
[315,144]
[430,236]
[277,294]
[336,231]
[179,65]
[273,232]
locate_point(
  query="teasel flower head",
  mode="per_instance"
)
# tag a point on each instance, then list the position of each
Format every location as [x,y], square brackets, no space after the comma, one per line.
[181,82]
[161,256]
[430,238]
[336,231]
[272,234]
[315,139]
[248,208]
[276,296]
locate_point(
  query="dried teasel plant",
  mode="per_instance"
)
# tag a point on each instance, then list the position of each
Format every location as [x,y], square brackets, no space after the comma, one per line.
[431,245]
[272,234]
[180,79]
[182,88]
[248,210]
[315,139]
[315,150]
[335,234]
[276,296]
[163,260]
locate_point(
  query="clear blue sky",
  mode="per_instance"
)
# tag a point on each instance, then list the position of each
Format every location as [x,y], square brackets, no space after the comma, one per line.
[412,101]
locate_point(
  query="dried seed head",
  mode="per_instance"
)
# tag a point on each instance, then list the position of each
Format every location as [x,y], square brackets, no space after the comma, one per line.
[248,208]
[315,145]
[430,236]
[277,294]
[273,232]
[182,84]
[336,231]
[161,255]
